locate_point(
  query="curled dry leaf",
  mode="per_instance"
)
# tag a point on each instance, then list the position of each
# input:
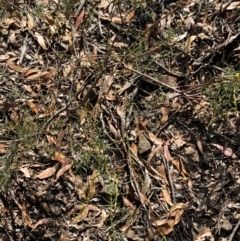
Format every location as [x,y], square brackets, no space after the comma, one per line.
[167,153]
[33,107]
[40,40]
[192,153]
[26,171]
[47,173]
[43,222]
[189,42]
[154,139]
[60,157]
[204,234]
[102,219]
[25,215]
[79,19]
[84,210]
[12,65]
[226,151]
[30,22]
[63,170]
[165,113]
[167,197]
[127,203]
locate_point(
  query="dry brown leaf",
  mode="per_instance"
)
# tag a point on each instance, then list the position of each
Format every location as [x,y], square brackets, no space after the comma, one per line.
[51,139]
[30,72]
[63,170]
[167,153]
[117,20]
[127,203]
[46,75]
[147,182]
[125,227]
[154,139]
[102,219]
[47,173]
[50,19]
[92,179]
[79,19]
[134,149]
[43,222]
[226,151]
[204,234]
[179,141]
[67,71]
[33,107]
[189,42]
[60,157]
[26,171]
[84,210]
[192,153]
[25,216]
[60,138]
[30,22]
[104,4]
[166,228]
[63,237]
[14,66]
[40,40]
[178,206]
[4,57]
[130,16]
[167,196]
[159,222]
[231,6]
[165,113]
[13,39]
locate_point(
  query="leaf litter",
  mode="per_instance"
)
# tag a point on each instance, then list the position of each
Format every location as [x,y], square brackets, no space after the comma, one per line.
[107,125]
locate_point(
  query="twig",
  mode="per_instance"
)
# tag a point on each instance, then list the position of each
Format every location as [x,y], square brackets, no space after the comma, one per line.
[169,179]
[234,231]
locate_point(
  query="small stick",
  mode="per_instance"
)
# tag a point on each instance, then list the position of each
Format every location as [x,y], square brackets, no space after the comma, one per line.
[234,231]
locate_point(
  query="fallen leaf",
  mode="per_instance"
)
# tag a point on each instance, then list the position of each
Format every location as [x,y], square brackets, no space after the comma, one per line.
[14,66]
[167,153]
[79,19]
[127,203]
[102,219]
[165,113]
[51,139]
[192,153]
[155,140]
[40,40]
[33,107]
[63,170]
[25,216]
[43,222]
[226,151]
[47,173]
[189,42]
[204,234]
[60,158]
[167,196]
[30,22]
[130,16]
[26,171]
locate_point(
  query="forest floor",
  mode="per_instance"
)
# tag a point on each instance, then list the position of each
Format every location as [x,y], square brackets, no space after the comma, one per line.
[119,120]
